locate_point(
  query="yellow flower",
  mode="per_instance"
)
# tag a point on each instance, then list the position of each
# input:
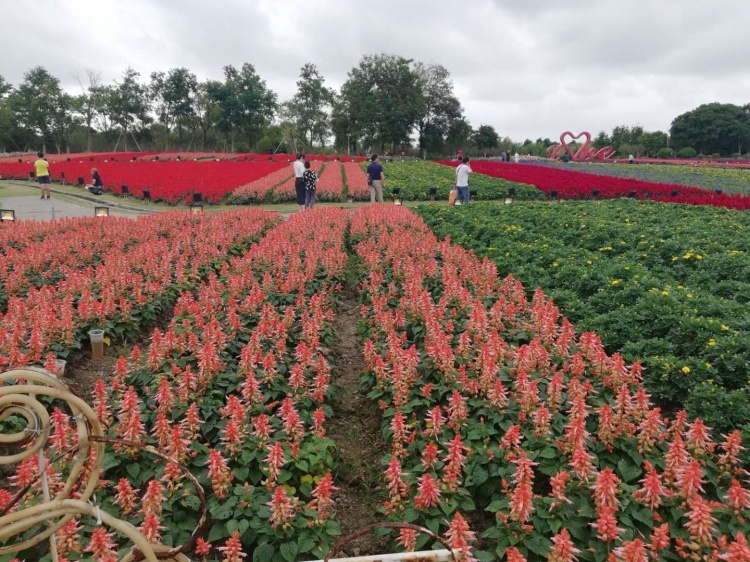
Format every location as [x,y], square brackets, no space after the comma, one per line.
[615,281]
[712,342]
[686,369]
[698,257]
[708,366]
[725,328]
[675,258]
[664,293]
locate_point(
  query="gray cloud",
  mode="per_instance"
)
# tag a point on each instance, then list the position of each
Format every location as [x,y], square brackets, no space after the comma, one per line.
[532,68]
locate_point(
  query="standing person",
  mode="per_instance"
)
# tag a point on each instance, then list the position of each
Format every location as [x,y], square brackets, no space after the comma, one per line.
[631,159]
[299,181]
[375,179]
[311,179]
[462,179]
[42,174]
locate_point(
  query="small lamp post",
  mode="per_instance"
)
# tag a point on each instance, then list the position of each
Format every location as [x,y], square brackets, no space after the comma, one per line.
[101,211]
[196,209]
[433,193]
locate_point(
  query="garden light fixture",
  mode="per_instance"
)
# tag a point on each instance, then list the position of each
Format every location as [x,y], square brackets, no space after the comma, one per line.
[197,197]
[101,211]
[195,209]
[147,194]
[7,215]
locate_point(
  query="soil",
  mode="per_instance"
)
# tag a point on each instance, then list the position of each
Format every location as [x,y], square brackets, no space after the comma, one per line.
[355,428]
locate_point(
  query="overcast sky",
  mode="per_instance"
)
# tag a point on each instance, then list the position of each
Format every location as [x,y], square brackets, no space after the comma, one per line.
[530,68]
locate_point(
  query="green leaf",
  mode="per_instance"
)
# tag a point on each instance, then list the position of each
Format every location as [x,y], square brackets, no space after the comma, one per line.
[628,471]
[333,528]
[264,553]
[134,469]
[548,453]
[306,543]
[289,551]
[232,526]
[479,476]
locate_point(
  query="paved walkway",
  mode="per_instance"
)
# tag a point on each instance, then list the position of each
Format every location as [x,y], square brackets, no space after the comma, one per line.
[31,207]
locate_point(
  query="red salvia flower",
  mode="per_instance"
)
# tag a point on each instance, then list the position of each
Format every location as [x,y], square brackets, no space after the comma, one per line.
[126,496]
[219,473]
[459,536]
[562,548]
[283,508]
[407,538]
[738,550]
[428,494]
[632,551]
[700,520]
[322,501]
[102,547]
[232,549]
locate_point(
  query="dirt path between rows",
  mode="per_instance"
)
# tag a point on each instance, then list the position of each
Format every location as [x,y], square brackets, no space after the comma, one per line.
[355,428]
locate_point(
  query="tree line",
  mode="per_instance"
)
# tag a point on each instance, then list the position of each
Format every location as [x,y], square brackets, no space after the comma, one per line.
[388,103]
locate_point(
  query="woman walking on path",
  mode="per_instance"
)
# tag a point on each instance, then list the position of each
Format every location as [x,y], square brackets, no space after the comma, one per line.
[311,179]
[299,181]
[42,174]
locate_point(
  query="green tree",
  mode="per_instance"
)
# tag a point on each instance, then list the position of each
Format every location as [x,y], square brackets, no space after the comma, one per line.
[602,140]
[246,105]
[458,136]
[440,106]
[173,94]
[311,105]
[654,141]
[89,103]
[713,127]
[129,104]
[37,102]
[383,100]
[8,127]
[485,137]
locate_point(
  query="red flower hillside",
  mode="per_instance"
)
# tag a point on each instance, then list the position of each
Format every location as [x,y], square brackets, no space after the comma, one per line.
[171,181]
[493,402]
[570,184]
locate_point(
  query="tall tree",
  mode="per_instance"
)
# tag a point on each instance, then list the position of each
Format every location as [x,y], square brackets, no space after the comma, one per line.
[458,136]
[246,104]
[129,104]
[383,99]
[654,141]
[174,95]
[8,127]
[713,127]
[485,137]
[440,106]
[36,102]
[88,104]
[311,105]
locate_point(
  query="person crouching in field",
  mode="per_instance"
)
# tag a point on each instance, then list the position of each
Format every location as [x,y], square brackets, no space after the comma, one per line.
[311,179]
[97,185]
[42,174]
[299,182]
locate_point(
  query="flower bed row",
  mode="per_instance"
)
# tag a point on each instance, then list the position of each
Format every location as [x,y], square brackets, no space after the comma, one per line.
[729,180]
[171,181]
[415,178]
[237,389]
[665,284]
[491,401]
[127,290]
[577,185]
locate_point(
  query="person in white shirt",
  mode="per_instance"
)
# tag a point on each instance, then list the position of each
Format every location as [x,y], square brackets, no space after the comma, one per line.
[299,180]
[462,179]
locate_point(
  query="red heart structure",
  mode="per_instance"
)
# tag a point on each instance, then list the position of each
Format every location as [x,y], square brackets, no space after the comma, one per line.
[585,153]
